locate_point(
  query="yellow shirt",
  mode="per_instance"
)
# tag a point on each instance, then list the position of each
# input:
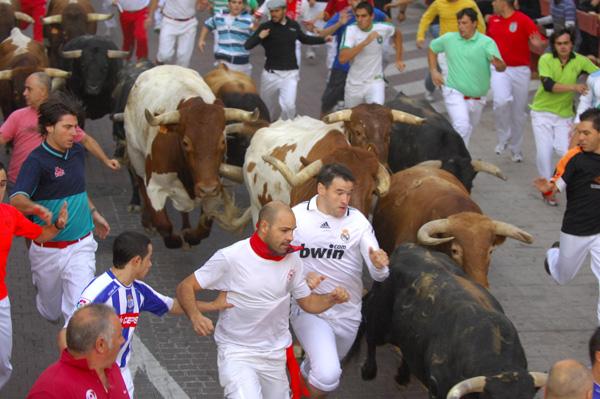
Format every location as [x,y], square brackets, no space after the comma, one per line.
[447,10]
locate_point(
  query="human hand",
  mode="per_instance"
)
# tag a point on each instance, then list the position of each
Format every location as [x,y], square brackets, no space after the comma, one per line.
[102,228]
[202,325]
[379,258]
[148,22]
[345,16]
[201,45]
[314,279]
[339,295]
[43,213]
[63,216]
[400,65]
[421,43]
[543,185]
[220,302]
[372,36]
[437,78]
[113,164]
[581,88]
[264,33]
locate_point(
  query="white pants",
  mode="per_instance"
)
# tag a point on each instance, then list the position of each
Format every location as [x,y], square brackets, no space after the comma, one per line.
[244,68]
[280,87]
[510,89]
[464,113]
[551,132]
[248,374]
[368,93]
[128,378]
[325,342]
[564,262]
[5,341]
[60,275]
[177,40]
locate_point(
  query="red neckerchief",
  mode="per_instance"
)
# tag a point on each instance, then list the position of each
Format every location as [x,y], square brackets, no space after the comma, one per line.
[263,250]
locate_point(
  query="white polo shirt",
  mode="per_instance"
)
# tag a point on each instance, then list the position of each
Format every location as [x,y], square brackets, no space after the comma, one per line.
[336,248]
[260,291]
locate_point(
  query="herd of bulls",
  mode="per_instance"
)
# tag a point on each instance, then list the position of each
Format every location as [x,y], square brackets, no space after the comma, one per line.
[183,133]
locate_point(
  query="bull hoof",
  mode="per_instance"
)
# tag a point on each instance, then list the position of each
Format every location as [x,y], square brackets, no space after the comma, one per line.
[132,208]
[191,237]
[173,242]
[368,372]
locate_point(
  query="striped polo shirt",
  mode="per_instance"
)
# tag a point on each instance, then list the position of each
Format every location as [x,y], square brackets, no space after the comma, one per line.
[232,32]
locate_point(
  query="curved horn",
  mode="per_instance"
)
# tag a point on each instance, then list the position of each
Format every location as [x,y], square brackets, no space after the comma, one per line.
[57,73]
[426,232]
[383,181]
[339,116]
[21,16]
[231,172]
[432,163]
[296,179]
[539,379]
[235,114]
[72,54]
[118,117]
[6,74]
[52,19]
[114,54]
[470,385]
[166,118]
[405,117]
[482,166]
[94,17]
[509,230]
[234,128]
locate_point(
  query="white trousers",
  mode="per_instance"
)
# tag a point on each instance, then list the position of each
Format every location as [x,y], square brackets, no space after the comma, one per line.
[176,41]
[464,113]
[248,374]
[325,342]
[244,68]
[368,93]
[60,275]
[128,378]
[510,89]
[5,341]
[564,262]
[280,87]
[551,132]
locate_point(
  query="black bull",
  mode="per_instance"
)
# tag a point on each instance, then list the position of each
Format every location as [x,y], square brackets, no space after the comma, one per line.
[448,328]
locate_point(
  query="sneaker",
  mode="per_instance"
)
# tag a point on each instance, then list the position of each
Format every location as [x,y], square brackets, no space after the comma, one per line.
[556,244]
[550,200]
[517,157]
[500,149]
[429,96]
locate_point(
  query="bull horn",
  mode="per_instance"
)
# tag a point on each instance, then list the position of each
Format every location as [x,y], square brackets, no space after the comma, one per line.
[383,181]
[235,114]
[21,16]
[232,225]
[233,173]
[482,166]
[114,54]
[338,116]
[471,385]
[509,230]
[405,117]
[72,54]
[57,73]
[426,232]
[95,17]
[52,19]
[294,179]
[433,163]
[118,117]
[234,128]
[166,118]
[539,379]
[6,75]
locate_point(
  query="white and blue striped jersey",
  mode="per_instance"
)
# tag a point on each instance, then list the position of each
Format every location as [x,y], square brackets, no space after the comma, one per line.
[128,302]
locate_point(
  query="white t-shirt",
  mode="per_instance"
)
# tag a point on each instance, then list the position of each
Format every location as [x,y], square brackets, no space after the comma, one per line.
[336,248]
[133,5]
[259,289]
[367,65]
[180,9]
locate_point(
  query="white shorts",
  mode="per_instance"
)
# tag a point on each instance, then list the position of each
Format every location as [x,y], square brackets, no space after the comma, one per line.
[251,374]
[368,93]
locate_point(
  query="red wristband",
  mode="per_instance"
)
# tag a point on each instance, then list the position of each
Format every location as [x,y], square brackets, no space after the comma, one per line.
[548,193]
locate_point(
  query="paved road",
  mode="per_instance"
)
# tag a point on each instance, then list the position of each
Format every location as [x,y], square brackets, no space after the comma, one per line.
[171,362]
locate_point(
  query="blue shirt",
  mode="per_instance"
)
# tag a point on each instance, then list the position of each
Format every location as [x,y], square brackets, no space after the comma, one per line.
[231,38]
[49,177]
[380,16]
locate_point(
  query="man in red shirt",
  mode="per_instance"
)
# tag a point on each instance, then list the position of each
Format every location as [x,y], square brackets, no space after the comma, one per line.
[512,31]
[13,223]
[86,368]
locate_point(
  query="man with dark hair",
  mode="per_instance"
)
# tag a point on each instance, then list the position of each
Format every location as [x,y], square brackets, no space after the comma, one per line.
[469,54]
[260,275]
[54,173]
[577,173]
[568,379]
[594,351]
[15,224]
[337,239]
[86,368]
[122,288]
[362,46]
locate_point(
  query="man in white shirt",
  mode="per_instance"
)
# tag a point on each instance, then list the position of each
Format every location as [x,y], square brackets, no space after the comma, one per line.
[362,46]
[336,239]
[260,275]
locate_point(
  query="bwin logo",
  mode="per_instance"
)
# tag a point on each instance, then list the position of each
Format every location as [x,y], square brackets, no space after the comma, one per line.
[333,252]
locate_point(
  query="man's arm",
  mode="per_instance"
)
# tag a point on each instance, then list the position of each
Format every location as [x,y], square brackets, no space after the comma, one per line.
[426,20]
[258,35]
[347,54]
[150,15]
[436,76]
[318,303]
[102,228]
[202,39]
[220,303]
[306,39]
[51,230]
[399,50]
[498,64]
[186,297]
[28,207]
[93,147]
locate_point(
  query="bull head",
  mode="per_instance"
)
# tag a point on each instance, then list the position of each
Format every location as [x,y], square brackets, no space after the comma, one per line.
[477,384]
[172,117]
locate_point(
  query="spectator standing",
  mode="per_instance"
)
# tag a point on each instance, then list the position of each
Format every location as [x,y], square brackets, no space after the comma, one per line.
[513,33]
[469,54]
[133,17]
[552,107]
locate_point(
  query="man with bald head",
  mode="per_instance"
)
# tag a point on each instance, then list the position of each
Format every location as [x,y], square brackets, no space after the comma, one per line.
[569,379]
[21,128]
[260,275]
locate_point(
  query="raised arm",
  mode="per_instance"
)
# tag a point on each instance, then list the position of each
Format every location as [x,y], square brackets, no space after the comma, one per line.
[186,297]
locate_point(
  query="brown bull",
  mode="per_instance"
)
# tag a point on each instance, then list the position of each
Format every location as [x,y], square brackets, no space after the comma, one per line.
[222,80]
[431,207]
[10,13]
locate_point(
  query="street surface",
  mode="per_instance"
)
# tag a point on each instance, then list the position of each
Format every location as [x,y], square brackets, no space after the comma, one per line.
[170,361]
